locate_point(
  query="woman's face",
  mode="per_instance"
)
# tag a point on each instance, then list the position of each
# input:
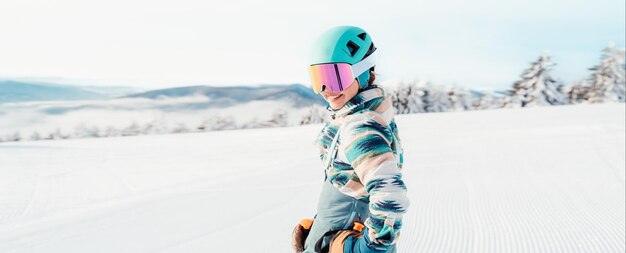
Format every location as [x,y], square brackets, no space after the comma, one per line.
[337,100]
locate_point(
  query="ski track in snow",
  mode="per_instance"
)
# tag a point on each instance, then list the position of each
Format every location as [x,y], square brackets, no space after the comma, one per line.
[546,179]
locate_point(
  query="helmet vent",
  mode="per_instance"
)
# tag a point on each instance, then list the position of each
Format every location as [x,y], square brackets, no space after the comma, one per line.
[362,36]
[353,47]
[370,50]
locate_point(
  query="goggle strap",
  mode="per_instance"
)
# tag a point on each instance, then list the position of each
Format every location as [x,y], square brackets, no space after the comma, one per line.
[365,64]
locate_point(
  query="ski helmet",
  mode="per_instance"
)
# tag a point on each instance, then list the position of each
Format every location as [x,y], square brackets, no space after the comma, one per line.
[349,44]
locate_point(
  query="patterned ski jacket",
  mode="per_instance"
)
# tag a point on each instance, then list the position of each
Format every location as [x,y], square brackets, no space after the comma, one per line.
[369,160]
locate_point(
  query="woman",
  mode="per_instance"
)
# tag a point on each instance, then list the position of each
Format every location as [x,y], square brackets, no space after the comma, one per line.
[361,151]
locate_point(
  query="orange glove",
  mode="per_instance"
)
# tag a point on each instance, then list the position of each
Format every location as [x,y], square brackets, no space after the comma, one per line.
[299,234]
[354,241]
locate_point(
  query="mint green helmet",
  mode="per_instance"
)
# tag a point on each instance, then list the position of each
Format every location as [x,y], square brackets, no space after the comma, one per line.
[347,44]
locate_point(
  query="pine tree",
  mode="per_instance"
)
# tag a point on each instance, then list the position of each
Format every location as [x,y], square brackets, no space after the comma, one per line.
[537,87]
[81,131]
[279,118]
[225,123]
[156,126]
[392,95]
[416,100]
[111,131]
[403,93]
[576,93]
[485,102]
[131,130]
[460,99]
[217,123]
[437,99]
[254,123]
[607,83]
[35,136]
[93,132]
[58,135]
[14,137]
[180,128]
[507,102]
[315,115]
[409,98]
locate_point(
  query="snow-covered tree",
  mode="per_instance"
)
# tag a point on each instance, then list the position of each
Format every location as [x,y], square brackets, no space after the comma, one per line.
[537,87]
[607,83]
[254,123]
[225,123]
[111,131]
[16,136]
[485,102]
[507,102]
[155,126]
[48,136]
[416,101]
[81,131]
[408,97]
[58,135]
[35,136]
[180,128]
[400,98]
[131,130]
[576,93]
[437,99]
[392,95]
[93,132]
[217,123]
[460,99]
[279,118]
[314,115]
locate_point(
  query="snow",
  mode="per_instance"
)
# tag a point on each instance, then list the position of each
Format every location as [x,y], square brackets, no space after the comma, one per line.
[542,179]
[46,117]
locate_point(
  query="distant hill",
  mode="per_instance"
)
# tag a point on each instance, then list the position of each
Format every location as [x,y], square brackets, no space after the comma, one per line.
[294,96]
[297,94]
[494,93]
[19,91]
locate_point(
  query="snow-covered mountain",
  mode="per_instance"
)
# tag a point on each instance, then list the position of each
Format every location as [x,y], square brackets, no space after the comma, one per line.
[20,91]
[185,108]
[296,94]
[542,179]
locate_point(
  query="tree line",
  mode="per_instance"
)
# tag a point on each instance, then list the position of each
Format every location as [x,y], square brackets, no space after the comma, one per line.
[214,123]
[536,87]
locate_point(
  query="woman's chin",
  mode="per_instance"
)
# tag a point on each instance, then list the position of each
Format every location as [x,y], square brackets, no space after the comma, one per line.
[336,106]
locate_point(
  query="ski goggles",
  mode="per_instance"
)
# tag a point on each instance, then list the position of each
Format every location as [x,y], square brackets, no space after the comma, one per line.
[338,76]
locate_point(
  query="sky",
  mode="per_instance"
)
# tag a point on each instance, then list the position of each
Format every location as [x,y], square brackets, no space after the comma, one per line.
[156,44]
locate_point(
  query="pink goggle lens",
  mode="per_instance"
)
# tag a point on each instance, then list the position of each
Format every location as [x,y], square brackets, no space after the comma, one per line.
[335,76]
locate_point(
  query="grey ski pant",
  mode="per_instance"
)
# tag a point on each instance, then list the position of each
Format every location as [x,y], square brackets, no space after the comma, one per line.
[335,211]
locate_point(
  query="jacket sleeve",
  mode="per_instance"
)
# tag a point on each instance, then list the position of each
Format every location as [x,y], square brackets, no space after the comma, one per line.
[366,141]
[323,140]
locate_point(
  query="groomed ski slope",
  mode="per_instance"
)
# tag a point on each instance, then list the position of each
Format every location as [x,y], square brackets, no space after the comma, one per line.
[547,179]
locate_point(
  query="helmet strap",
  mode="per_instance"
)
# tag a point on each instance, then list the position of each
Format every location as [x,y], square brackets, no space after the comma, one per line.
[365,64]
